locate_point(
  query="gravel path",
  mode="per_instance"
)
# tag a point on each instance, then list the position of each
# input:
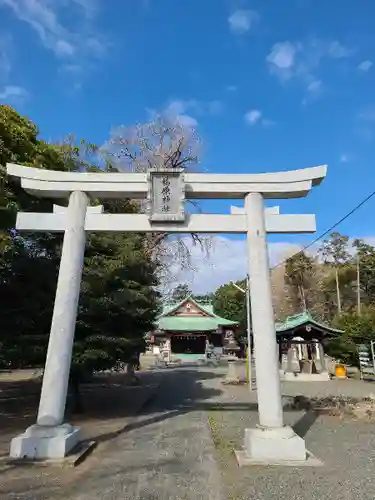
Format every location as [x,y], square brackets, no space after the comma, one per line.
[169,454]
[168,451]
[346,447]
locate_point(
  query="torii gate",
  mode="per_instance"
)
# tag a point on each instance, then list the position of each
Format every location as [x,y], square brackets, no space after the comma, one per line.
[165,190]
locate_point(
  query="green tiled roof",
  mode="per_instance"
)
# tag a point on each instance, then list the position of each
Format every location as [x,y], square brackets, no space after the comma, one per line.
[169,307]
[209,308]
[191,323]
[225,322]
[184,323]
[299,320]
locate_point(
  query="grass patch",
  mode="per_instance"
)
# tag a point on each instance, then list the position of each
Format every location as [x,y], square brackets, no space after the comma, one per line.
[361,408]
[220,443]
[225,459]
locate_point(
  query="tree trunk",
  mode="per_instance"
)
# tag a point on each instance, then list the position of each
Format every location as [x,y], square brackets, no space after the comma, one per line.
[338,291]
[302,296]
[76,393]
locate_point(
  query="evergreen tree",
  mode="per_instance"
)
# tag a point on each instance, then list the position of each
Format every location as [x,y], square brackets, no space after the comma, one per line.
[118,301]
[230,303]
[299,270]
[181,292]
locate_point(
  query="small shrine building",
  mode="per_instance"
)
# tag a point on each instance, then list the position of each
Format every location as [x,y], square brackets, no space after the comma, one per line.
[301,341]
[188,325]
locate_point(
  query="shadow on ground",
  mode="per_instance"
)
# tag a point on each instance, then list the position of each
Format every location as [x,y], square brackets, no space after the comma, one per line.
[183,392]
[107,401]
[18,403]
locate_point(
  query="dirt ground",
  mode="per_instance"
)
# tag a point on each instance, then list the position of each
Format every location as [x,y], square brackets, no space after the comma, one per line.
[107,401]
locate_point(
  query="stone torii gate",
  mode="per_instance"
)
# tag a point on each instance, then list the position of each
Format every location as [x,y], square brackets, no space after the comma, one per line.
[165,191]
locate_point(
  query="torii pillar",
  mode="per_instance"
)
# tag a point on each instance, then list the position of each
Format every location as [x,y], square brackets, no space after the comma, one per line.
[271,442]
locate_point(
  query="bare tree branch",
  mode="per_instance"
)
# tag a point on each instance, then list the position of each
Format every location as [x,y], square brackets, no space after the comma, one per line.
[160,142]
[163,142]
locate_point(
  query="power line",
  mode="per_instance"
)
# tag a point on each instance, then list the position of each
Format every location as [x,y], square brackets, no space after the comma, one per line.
[365,200]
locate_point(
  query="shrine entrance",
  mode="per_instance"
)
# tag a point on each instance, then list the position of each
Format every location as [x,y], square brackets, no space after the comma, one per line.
[165,191]
[188,344]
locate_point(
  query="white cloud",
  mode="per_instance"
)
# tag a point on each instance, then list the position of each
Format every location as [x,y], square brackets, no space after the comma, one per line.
[12,92]
[314,89]
[282,55]
[344,158]
[368,114]
[51,22]
[300,61]
[241,21]
[64,48]
[186,121]
[9,92]
[365,65]
[339,51]
[314,86]
[89,7]
[5,65]
[177,111]
[268,123]
[226,261]
[215,107]
[187,111]
[253,116]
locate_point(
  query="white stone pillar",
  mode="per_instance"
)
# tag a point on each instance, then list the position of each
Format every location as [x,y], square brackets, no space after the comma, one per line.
[317,350]
[300,353]
[322,357]
[271,442]
[264,334]
[57,368]
[50,438]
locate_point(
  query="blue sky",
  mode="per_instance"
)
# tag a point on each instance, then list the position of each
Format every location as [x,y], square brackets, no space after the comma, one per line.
[271,85]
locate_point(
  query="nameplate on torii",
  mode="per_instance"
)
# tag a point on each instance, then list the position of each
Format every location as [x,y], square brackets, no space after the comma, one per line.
[166,195]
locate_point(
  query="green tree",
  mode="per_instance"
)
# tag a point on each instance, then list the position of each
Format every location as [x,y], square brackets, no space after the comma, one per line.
[27,287]
[118,304]
[334,251]
[299,270]
[356,330]
[28,263]
[366,262]
[118,301]
[206,298]
[181,292]
[230,303]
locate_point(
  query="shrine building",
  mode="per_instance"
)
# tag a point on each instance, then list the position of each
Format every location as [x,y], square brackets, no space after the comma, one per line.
[301,340]
[188,325]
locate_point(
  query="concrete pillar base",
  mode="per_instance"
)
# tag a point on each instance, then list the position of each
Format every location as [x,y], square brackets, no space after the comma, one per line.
[42,442]
[236,373]
[280,446]
[305,377]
